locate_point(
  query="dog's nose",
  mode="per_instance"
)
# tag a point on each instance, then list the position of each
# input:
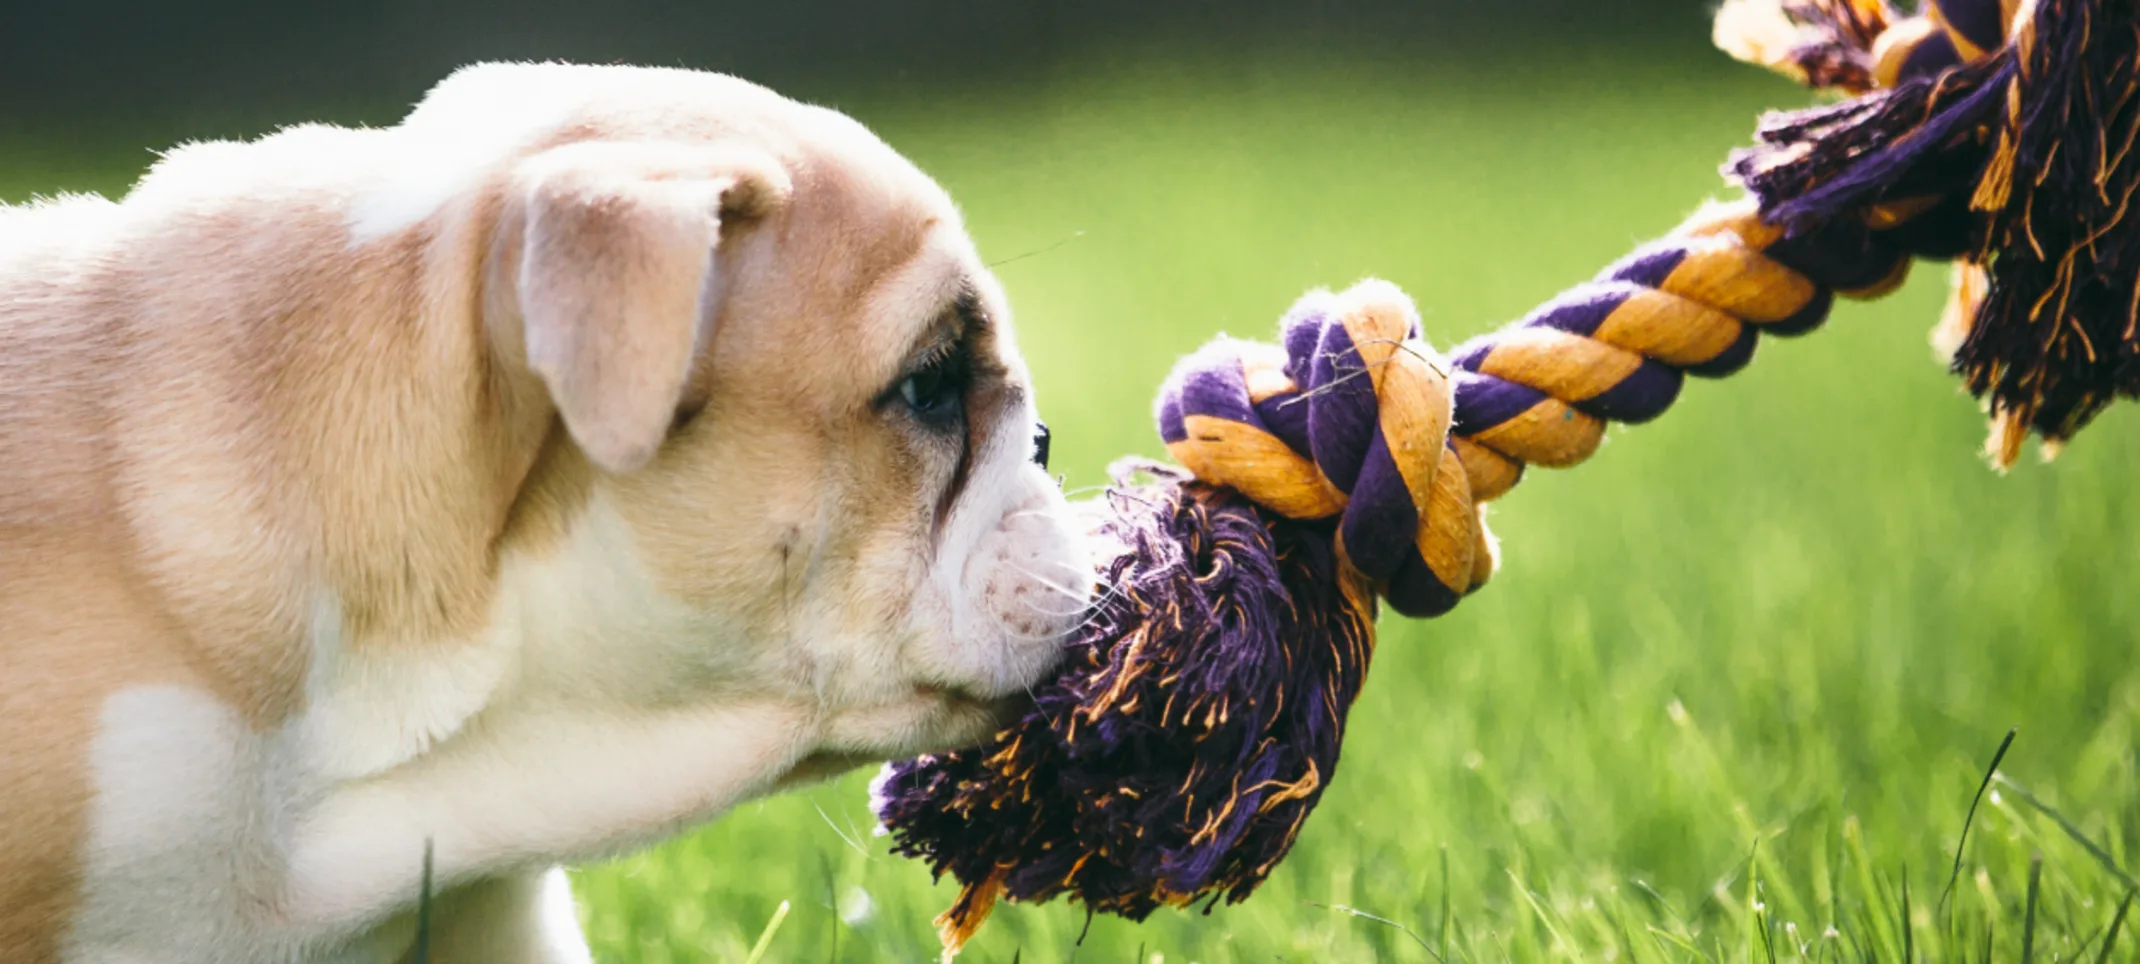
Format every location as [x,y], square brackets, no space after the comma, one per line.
[1040,444]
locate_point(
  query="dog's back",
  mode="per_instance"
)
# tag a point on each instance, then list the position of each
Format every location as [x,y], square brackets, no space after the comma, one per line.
[65,610]
[51,260]
[139,394]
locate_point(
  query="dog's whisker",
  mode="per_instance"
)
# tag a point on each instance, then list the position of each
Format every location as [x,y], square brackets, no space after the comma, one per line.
[1045,582]
[1091,609]
[1083,599]
[1051,613]
[1077,567]
[1007,635]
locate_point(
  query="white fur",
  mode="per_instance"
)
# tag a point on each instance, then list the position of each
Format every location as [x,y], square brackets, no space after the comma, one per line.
[177,780]
[368,712]
[470,125]
[523,918]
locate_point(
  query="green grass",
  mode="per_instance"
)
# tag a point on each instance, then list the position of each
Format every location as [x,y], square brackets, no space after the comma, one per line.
[1740,677]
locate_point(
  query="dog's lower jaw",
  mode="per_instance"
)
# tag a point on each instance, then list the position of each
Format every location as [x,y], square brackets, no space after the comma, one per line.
[978,718]
[934,720]
[822,766]
[956,719]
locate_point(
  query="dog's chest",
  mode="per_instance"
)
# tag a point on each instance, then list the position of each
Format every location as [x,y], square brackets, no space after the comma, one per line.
[208,846]
[212,841]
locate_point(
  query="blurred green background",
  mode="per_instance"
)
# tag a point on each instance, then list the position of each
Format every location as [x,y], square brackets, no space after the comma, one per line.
[1740,675]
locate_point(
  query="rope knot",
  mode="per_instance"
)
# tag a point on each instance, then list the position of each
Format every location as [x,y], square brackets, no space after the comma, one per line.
[1348,421]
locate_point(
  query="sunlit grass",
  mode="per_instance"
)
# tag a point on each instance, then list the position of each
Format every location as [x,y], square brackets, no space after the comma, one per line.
[1741,675]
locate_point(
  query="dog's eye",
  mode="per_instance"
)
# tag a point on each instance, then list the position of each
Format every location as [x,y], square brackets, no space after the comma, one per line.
[936,392]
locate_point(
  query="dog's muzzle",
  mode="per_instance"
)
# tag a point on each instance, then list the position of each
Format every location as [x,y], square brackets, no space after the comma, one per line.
[1040,444]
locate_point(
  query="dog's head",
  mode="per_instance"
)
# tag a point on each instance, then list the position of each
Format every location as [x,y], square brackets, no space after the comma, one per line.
[792,457]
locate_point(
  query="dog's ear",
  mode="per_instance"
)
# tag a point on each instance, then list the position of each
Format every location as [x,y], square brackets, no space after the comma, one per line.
[618,279]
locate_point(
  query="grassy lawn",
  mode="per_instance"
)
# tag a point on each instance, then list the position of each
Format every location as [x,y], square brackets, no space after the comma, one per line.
[1741,674]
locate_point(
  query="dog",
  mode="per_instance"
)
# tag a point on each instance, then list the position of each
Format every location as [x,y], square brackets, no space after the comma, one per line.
[595,449]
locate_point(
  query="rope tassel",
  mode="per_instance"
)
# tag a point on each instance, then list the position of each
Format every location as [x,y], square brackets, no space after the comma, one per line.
[2018,120]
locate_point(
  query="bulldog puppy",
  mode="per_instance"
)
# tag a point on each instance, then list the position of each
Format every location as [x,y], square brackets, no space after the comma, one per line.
[596,449]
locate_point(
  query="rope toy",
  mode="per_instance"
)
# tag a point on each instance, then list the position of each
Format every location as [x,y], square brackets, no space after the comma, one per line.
[1200,711]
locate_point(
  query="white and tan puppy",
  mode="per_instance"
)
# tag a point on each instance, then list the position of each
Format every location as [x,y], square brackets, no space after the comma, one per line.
[596,449]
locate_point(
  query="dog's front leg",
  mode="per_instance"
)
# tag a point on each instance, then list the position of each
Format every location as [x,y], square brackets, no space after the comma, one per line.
[519,919]
[531,790]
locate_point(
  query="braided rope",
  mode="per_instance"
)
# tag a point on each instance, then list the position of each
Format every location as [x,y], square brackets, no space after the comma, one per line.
[1356,419]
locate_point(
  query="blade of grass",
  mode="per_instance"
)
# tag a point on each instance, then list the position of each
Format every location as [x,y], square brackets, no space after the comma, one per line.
[1886,945]
[2094,850]
[2081,949]
[1544,918]
[1672,939]
[1443,937]
[1753,899]
[2028,917]
[832,896]
[765,937]
[1363,915]
[1963,843]
[1618,914]
[2111,940]
[1857,950]
[1671,914]
[1909,930]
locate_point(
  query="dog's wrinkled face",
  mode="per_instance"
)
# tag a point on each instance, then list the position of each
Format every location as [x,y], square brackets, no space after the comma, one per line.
[799,465]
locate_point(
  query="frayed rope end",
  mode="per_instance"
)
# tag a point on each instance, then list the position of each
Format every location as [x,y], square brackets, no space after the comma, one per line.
[1175,758]
[2016,138]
